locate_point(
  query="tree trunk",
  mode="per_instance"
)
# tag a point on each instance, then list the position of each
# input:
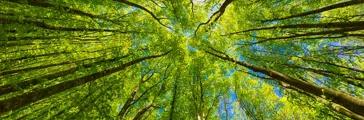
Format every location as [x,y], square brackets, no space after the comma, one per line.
[350,102]
[333,106]
[174,99]
[26,84]
[319,25]
[327,8]
[31,97]
[326,32]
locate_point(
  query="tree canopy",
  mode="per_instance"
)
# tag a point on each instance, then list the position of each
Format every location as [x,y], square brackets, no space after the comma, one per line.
[182,59]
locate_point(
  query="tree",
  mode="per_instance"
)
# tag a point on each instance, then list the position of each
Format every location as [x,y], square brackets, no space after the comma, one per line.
[192,59]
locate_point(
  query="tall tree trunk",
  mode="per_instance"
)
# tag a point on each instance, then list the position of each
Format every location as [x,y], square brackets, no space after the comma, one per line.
[325,32]
[225,108]
[31,97]
[327,8]
[333,106]
[174,99]
[319,25]
[350,102]
[202,105]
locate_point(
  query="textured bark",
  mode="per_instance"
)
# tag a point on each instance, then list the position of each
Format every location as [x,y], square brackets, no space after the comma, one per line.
[327,8]
[350,102]
[31,97]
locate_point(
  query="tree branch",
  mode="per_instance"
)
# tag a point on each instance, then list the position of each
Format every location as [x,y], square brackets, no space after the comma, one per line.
[320,25]
[350,102]
[218,13]
[327,8]
[144,9]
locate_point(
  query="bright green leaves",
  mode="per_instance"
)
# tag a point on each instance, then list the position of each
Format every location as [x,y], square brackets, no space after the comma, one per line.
[257,100]
[63,40]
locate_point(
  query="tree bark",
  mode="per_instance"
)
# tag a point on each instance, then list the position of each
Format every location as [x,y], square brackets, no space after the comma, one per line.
[219,13]
[31,97]
[174,99]
[350,102]
[319,25]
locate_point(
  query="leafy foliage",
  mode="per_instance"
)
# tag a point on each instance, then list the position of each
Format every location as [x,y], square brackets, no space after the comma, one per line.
[168,59]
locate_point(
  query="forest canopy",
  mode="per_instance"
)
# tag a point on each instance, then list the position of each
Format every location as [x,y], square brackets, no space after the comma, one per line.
[182,59]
